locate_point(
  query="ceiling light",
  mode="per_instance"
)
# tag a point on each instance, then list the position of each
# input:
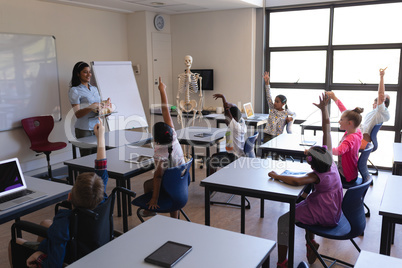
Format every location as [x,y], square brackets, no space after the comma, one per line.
[157,4]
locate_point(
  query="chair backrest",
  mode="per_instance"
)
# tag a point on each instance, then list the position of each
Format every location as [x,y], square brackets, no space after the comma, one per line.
[38,128]
[90,229]
[249,145]
[373,135]
[175,183]
[353,208]
[362,162]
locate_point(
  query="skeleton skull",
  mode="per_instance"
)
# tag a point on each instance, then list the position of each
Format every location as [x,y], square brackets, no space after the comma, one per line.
[188,61]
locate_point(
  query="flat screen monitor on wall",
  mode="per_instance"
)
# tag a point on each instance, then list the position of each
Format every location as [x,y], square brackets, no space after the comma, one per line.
[207,78]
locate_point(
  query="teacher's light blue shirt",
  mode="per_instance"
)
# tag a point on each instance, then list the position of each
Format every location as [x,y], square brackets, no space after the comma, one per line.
[84,97]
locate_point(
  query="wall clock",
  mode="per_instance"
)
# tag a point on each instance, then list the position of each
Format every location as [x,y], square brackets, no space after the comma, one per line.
[159,22]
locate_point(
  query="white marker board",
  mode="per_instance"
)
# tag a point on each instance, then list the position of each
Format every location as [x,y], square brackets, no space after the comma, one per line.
[116,80]
[29,80]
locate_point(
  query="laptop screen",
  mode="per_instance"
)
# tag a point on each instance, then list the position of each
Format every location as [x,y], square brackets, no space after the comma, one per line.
[11,177]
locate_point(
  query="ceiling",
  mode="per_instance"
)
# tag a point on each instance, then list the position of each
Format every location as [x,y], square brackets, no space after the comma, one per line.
[180,6]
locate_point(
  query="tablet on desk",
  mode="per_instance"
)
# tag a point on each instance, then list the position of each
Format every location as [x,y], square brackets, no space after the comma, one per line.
[289,172]
[168,254]
[203,135]
[141,159]
[308,143]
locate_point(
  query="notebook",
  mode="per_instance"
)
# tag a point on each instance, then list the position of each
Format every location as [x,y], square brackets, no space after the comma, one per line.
[13,188]
[248,109]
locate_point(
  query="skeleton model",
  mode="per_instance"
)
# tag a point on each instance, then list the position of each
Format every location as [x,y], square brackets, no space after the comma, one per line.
[187,85]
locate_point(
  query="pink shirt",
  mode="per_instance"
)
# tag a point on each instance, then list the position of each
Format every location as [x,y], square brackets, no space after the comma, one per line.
[348,151]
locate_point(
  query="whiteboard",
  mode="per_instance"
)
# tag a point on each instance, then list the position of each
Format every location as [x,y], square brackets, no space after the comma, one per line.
[116,80]
[29,81]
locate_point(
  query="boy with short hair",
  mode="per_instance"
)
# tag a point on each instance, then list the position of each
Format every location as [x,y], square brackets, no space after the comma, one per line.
[88,192]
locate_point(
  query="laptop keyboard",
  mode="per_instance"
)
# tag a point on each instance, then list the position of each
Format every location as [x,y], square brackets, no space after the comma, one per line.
[15,195]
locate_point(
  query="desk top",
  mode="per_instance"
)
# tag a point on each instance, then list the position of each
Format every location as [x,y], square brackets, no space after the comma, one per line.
[117,167]
[397,152]
[55,192]
[368,259]
[188,134]
[115,138]
[392,198]
[212,247]
[251,174]
[293,142]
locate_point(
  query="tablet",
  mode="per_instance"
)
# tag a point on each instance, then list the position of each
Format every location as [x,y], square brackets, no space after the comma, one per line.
[168,254]
[203,135]
[104,115]
[140,159]
[289,172]
[308,143]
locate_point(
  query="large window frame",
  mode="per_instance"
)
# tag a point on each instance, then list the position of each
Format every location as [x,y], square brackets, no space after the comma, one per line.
[330,48]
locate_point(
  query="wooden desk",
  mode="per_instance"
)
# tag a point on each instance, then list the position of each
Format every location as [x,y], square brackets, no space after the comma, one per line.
[212,247]
[188,136]
[368,259]
[249,177]
[113,139]
[391,211]
[397,160]
[55,192]
[117,168]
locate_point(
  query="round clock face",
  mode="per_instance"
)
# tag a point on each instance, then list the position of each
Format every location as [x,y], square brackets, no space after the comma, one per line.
[159,22]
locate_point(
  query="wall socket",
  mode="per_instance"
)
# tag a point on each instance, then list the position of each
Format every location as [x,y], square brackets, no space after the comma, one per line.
[137,69]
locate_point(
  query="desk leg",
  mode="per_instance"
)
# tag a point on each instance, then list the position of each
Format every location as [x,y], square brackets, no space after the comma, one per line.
[207,161]
[74,151]
[118,200]
[302,130]
[292,233]
[207,207]
[243,215]
[386,229]
[124,209]
[128,183]
[266,263]
[70,176]
[193,164]
[262,208]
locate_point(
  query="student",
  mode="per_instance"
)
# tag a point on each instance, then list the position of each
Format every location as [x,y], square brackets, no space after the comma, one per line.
[379,114]
[234,136]
[349,146]
[278,116]
[85,100]
[324,205]
[167,149]
[88,191]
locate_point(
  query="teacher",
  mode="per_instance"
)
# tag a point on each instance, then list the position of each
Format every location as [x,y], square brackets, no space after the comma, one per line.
[85,100]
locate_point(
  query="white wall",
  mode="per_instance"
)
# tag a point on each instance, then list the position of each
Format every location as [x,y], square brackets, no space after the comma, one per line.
[81,34]
[220,40]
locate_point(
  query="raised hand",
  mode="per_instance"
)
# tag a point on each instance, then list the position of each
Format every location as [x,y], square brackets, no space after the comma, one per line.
[217,96]
[161,86]
[266,77]
[324,99]
[382,71]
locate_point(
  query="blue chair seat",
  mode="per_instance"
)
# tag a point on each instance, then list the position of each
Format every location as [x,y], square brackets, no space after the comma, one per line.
[165,202]
[347,185]
[340,232]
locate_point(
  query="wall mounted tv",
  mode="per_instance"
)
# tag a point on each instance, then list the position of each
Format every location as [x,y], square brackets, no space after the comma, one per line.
[207,78]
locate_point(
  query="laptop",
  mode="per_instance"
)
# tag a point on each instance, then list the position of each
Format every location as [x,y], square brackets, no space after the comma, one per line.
[249,111]
[13,188]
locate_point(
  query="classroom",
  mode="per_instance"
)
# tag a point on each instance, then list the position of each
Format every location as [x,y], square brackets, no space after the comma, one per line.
[232,38]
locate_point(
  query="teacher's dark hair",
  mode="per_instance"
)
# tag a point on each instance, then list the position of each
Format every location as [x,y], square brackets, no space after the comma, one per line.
[78,67]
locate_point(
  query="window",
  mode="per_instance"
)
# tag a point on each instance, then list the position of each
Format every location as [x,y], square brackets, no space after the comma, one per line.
[298,67]
[299,28]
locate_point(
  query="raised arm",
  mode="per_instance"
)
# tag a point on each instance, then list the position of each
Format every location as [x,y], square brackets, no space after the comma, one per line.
[164,101]
[337,101]
[381,88]
[326,128]
[99,130]
[226,107]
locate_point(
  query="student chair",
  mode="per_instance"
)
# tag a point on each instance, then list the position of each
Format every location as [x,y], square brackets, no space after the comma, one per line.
[173,194]
[38,129]
[89,230]
[364,172]
[302,265]
[249,152]
[351,224]
[374,140]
